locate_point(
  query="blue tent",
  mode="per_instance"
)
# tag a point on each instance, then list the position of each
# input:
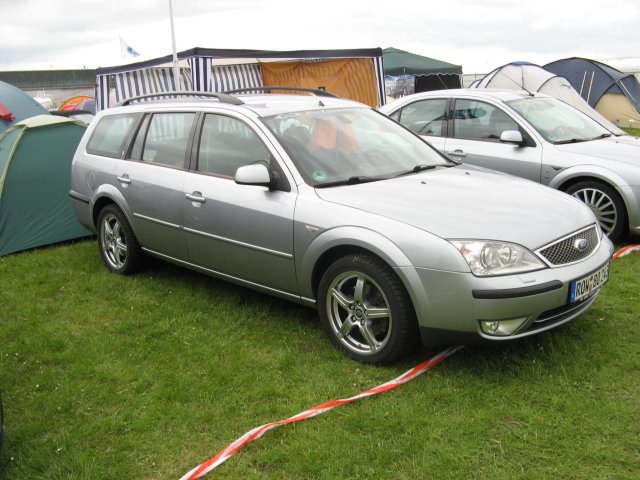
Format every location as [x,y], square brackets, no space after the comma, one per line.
[614,94]
[15,105]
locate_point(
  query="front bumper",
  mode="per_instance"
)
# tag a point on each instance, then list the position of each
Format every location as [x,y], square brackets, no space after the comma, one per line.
[450,305]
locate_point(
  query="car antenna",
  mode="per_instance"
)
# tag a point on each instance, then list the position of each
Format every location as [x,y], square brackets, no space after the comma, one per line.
[521,85]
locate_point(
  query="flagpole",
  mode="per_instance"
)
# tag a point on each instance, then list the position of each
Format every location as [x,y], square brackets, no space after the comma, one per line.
[176,68]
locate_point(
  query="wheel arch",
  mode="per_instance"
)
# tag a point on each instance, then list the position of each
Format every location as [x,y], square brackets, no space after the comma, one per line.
[570,176]
[338,242]
[333,254]
[608,179]
[105,195]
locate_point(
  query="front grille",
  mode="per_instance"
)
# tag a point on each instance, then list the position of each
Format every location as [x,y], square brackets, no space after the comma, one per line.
[565,251]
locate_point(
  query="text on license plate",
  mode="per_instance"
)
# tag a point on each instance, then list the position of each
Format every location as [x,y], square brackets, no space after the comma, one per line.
[585,286]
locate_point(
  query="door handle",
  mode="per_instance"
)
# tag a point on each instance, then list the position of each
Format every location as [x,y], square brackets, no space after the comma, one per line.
[124,179]
[196,197]
[457,153]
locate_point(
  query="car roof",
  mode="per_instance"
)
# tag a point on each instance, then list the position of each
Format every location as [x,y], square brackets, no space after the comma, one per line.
[274,104]
[261,104]
[487,93]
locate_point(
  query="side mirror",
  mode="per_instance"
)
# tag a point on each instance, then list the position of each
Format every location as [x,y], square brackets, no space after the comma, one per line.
[255,174]
[512,136]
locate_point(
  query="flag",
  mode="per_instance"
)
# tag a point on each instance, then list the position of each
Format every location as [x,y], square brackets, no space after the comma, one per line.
[126,50]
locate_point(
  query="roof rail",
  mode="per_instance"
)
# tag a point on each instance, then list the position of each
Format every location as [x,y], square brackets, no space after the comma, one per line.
[319,93]
[222,97]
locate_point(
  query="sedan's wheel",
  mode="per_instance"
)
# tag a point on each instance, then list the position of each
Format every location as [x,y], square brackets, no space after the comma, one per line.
[365,310]
[119,247]
[605,203]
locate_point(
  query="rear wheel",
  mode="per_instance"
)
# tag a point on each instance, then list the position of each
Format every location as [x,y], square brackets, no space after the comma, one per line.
[605,203]
[119,247]
[366,311]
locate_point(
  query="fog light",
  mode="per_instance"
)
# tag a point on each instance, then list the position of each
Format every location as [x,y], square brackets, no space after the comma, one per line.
[502,328]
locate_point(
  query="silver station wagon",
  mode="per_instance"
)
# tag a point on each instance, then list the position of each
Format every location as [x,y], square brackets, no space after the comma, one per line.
[328,203]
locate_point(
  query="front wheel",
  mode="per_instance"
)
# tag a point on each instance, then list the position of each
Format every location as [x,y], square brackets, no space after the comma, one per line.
[605,203]
[365,310]
[119,247]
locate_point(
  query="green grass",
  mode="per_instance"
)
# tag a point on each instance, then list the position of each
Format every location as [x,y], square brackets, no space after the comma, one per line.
[111,377]
[632,131]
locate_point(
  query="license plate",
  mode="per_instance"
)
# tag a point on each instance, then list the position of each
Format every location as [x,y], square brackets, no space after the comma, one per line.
[587,286]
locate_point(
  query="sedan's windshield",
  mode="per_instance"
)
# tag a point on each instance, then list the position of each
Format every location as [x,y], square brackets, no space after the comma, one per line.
[558,122]
[350,145]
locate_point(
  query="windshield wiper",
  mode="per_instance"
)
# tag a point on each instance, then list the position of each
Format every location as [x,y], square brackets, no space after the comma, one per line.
[604,135]
[573,140]
[349,181]
[417,169]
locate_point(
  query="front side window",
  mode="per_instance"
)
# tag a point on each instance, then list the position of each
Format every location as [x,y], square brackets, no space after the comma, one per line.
[110,135]
[480,121]
[227,144]
[425,117]
[350,145]
[167,139]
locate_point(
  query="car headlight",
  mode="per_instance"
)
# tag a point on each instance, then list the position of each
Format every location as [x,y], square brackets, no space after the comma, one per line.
[487,258]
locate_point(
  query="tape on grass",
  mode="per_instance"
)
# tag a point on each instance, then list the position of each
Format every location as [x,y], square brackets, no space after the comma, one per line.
[256,433]
[626,251]
[224,454]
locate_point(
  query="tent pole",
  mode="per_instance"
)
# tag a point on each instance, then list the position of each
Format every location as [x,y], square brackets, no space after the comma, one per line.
[590,85]
[176,68]
[584,77]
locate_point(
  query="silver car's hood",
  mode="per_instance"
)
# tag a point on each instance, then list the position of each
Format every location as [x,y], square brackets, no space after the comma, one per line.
[626,139]
[604,149]
[465,202]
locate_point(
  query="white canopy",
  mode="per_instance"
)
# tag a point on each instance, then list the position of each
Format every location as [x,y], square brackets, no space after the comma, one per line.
[533,78]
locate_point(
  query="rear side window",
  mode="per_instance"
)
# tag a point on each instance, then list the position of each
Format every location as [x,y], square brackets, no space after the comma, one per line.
[168,138]
[110,135]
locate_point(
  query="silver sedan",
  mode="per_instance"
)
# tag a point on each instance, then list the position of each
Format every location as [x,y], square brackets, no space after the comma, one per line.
[535,137]
[330,204]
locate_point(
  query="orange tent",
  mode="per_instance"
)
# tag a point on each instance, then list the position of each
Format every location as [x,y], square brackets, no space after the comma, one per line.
[81,102]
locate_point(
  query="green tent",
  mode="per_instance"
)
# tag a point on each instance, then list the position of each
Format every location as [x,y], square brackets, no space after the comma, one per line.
[35,179]
[399,62]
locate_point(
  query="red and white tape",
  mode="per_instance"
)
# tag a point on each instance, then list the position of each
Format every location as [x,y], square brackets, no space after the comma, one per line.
[256,433]
[224,454]
[626,251]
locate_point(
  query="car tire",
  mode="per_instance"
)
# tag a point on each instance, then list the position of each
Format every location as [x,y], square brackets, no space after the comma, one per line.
[365,310]
[119,248]
[605,203]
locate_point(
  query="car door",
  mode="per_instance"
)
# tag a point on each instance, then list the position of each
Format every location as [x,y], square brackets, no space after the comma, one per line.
[152,178]
[240,231]
[474,137]
[427,118]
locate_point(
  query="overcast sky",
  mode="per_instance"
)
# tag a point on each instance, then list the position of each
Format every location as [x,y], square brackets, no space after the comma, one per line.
[479,35]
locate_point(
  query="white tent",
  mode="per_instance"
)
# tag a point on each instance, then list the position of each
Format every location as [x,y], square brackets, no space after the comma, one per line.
[533,78]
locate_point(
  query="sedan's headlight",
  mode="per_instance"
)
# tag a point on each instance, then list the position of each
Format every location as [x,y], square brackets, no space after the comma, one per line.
[487,258]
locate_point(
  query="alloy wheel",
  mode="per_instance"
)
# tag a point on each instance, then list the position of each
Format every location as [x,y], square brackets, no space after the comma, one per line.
[359,312]
[602,206]
[113,241]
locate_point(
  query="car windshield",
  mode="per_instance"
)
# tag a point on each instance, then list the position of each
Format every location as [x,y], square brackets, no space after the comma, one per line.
[350,145]
[558,122]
